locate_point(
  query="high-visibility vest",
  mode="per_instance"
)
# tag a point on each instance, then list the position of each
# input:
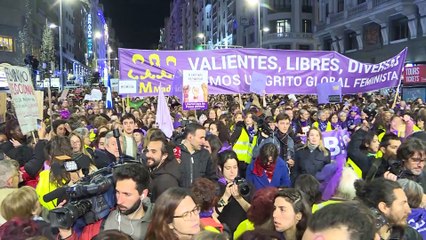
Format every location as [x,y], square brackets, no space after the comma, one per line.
[327,129]
[243,148]
[352,164]
[318,206]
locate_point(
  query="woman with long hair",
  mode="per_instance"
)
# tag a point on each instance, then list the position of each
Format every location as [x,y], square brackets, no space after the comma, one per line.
[175,216]
[311,158]
[233,204]
[291,213]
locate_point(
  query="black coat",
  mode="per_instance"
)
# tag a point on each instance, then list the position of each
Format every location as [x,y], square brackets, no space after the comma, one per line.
[196,165]
[166,176]
[103,158]
[307,162]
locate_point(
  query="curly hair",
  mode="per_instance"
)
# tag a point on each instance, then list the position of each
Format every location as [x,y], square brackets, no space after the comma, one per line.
[262,206]
[204,193]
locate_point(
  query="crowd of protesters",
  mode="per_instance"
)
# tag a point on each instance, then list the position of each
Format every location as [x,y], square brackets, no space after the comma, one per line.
[248,167]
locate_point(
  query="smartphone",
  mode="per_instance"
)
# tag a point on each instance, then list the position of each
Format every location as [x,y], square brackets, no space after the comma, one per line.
[38,123]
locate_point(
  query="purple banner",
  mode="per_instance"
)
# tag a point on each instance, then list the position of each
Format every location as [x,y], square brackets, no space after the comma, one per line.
[336,141]
[230,70]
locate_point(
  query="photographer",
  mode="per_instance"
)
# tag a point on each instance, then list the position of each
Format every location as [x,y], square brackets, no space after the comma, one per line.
[133,210]
[232,206]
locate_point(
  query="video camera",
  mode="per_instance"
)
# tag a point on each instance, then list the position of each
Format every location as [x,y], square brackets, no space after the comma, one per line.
[264,127]
[90,199]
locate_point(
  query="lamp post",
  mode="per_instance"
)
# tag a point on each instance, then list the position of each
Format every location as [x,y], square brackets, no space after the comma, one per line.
[61,60]
[259,29]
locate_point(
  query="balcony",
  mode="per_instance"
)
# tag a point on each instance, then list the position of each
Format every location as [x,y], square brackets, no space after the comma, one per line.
[380,2]
[362,8]
[337,16]
[286,35]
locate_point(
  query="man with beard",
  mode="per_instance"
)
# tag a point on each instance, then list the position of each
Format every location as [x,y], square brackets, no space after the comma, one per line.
[389,204]
[163,166]
[382,166]
[133,211]
[412,156]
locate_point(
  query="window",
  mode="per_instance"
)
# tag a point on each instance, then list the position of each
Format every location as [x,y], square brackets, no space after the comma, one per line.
[327,44]
[399,29]
[327,12]
[251,38]
[307,6]
[351,42]
[283,46]
[281,5]
[340,5]
[6,44]
[306,26]
[283,26]
[304,47]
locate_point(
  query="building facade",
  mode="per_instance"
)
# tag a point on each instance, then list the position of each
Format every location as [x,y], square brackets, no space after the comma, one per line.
[80,47]
[373,30]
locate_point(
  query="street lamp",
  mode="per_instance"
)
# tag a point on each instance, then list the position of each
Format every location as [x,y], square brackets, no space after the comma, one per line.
[52,25]
[203,38]
[259,29]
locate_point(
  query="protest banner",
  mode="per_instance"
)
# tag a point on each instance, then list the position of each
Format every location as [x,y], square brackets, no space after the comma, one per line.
[23,97]
[230,71]
[336,141]
[194,90]
[258,83]
[329,92]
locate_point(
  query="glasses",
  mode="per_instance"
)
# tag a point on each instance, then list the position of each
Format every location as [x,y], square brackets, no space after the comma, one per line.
[417,160]
[186,216]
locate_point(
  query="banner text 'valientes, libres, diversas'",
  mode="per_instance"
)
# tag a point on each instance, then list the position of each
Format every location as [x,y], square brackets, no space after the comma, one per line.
[230,71]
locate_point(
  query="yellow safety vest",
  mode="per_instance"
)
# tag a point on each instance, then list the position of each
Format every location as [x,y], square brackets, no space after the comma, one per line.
[352,164]
[327,129]
[243,227]
[44,186]
[243,148]
[318,206]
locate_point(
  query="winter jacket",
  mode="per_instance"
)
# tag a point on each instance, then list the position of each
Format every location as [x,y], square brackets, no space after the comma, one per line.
[196,165]
[103,158]
[307,162]
[417,220]
[280,178]
[165,177]
[359,160]
[22,154]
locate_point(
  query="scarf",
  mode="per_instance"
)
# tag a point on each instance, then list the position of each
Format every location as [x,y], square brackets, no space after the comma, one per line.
[336,126]
[312,147]
[251,133]
[322,125]
[260,169]
[283,137]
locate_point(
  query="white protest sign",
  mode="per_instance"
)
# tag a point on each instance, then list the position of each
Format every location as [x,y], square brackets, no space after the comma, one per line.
[96,95]
[23,97]
[127,87]
[195,89]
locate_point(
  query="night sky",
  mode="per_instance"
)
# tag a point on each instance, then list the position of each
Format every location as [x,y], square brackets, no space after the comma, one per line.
[137,23]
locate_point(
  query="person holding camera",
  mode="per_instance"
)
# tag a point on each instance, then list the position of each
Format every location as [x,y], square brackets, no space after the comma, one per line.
[235,192]
[133,211]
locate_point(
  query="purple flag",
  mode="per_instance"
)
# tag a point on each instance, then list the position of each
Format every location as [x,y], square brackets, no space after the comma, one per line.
[329,92]
[177,85]
[258,83]
[163,118]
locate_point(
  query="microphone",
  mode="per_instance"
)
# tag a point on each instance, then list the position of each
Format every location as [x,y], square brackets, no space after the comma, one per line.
[59,192]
